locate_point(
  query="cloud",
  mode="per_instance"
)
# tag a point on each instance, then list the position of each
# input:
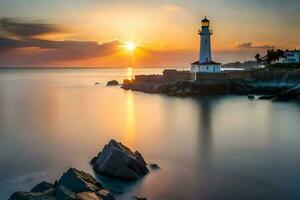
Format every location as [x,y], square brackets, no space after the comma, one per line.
[26,29]
[35,52]
[249,45]
[172,8]
[6,43]
[27,50]
[67,45]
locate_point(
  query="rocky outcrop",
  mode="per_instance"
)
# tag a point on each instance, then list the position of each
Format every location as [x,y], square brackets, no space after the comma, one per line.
[182,88]
[78,181]
[117,160]
[154,166]
[292,94]
[73,185]
[33,196]
[279,85]
[42,187]
[112,83]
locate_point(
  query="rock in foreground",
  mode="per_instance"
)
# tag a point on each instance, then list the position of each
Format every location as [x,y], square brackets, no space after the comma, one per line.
[73,185]
[117,160]
[112,83]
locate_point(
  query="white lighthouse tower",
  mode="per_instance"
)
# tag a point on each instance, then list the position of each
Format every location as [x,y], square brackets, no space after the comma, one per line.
[205,62]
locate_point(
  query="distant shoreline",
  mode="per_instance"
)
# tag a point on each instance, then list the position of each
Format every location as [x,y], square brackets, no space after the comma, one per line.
[92,67]
[265,84]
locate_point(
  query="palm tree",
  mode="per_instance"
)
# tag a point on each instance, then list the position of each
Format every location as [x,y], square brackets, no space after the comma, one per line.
[272,56]
[257,58]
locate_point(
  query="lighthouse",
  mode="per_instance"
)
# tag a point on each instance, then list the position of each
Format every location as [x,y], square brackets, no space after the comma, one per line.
[205,63]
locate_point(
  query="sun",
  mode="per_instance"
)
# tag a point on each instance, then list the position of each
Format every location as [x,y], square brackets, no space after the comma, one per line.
[130,46]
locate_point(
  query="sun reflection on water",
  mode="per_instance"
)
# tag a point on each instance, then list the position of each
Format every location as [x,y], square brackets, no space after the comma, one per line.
[129,137]
[129,73]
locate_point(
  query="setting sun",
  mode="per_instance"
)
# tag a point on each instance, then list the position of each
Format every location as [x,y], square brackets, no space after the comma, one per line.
[130,46]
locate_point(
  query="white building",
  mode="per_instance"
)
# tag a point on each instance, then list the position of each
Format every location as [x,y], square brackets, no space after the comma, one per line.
[205,62]
[291,56]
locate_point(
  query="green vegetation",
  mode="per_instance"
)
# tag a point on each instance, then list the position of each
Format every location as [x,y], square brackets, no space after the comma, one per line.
[284,66]
[274,55]
[258,59]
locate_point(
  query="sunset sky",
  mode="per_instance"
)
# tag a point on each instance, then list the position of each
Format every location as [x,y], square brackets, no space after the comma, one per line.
[94,33]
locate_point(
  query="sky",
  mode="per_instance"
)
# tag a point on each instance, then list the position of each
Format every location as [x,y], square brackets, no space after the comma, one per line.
[95,33]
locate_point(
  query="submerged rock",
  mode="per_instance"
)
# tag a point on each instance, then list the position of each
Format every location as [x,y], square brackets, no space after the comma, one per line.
[251,97]
[112,83]
[117,160]
[154,166]
[73,185]
[266,97]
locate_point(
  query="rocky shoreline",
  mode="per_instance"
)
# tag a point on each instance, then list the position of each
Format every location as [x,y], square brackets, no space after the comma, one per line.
[115,160]
[73,185]
[277,85]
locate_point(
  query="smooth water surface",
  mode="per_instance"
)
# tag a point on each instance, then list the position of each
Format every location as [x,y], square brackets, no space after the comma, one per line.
[208,147]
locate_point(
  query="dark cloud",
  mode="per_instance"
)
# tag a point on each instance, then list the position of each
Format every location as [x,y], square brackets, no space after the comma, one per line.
[52,51]
[249,45]
[25,29]
[6,43]
[27,50]
[68,45]
[75,50]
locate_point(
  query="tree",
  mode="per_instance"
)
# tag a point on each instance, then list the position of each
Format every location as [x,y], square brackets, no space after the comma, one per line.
[273,55]
[257,58]
[280,53]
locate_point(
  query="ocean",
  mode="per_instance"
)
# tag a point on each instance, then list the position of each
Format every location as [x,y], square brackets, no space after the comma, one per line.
[208,147]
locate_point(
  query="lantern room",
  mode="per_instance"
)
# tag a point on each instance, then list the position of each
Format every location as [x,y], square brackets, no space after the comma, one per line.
[205,22]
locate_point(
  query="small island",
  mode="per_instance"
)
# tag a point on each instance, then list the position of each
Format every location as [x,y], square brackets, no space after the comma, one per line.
[112,83]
